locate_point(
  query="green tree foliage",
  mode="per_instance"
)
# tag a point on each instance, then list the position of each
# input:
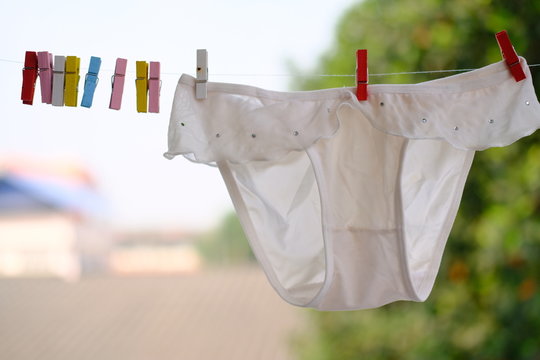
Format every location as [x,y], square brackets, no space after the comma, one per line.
[226,244]
[485,303]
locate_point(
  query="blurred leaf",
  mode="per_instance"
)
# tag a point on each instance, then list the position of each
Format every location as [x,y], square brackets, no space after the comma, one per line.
[485,303]
[227,244]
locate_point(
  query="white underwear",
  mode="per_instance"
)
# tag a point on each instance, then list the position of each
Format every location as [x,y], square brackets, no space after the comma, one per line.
[346,204]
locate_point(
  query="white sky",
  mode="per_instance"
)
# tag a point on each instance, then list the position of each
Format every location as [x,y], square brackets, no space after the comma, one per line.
[123,149]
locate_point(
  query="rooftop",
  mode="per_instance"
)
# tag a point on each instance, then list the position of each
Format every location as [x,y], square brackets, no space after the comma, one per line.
[227,313]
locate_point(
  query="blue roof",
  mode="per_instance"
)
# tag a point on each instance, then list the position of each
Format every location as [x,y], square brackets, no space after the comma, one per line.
[24,193]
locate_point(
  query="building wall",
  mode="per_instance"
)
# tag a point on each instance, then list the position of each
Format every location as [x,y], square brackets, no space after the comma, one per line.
[41,245]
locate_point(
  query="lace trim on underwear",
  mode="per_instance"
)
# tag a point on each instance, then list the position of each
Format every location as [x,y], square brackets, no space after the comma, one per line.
[496,115]
[240,129]
[239,123]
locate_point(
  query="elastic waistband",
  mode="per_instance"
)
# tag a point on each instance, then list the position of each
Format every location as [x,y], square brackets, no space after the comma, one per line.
[486,76]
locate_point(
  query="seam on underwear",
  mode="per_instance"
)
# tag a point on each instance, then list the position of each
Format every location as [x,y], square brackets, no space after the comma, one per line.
[434,266]
[251,234]
[403,248]
[329,273]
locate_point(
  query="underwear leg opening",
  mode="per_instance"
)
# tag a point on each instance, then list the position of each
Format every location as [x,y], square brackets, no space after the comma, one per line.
[279,207]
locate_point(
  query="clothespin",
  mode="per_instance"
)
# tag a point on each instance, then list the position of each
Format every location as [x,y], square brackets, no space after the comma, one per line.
[58,80]
[154,86]
[90,82]
[71,90]
[30,74]
[202,74]
[510,56]
[141,84]
[361,74]
[118,80]
[45,76]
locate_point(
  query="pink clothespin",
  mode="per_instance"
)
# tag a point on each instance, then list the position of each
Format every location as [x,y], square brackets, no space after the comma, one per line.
[118,80]
[510,56]
[45,75]
[154,85]
[361,74]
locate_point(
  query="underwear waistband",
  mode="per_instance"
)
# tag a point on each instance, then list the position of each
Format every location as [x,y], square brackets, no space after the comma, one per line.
[486,76]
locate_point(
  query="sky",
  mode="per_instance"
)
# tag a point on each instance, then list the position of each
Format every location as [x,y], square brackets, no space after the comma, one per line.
[123,149]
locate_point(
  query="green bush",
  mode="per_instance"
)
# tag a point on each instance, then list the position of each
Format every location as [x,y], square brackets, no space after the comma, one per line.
[485,303]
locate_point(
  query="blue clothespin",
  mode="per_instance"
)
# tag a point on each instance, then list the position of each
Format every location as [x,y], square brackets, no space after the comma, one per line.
[91,81]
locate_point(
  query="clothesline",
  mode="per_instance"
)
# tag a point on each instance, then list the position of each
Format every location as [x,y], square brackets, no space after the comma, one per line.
[308,75]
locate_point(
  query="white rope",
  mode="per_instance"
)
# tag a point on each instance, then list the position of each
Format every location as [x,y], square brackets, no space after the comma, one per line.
[308,75]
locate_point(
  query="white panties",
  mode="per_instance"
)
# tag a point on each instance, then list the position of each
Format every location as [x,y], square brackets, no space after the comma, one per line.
[347,204]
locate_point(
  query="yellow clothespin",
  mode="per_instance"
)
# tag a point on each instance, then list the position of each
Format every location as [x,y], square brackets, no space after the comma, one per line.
[71,90]
[141,83]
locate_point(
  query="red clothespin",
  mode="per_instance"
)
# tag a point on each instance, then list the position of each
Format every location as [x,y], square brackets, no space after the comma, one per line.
[509,55]
[361,74]
[30,74]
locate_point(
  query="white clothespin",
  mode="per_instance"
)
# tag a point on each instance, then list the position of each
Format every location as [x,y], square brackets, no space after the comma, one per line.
[58,80]
[202,74]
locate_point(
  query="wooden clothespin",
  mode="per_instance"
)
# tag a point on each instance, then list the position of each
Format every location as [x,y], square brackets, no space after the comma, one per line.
[45,75]
[90,82]
[58,80]
[510,56]
[202,74]
[30,74]
[361,74]
[154,86]
[141,85]
[118,80]
[71,91]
